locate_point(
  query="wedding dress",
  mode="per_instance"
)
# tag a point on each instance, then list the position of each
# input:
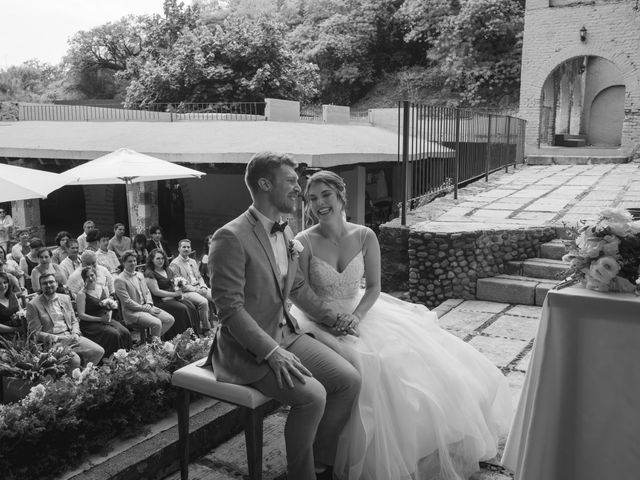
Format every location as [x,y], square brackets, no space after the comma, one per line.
[431,406]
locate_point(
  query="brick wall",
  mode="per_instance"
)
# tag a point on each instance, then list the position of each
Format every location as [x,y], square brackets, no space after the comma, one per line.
[552,37]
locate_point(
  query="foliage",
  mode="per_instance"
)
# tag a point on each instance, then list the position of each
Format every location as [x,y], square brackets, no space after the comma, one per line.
[66,419]
[606,255]
[29,82]
[242,59]
[27,359]
[479,49]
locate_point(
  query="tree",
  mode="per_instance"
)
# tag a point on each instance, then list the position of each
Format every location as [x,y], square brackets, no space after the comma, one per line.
[241,60]
[31,81]
[480,50]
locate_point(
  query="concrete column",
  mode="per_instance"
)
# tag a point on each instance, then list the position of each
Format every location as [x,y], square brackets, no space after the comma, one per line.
[26,214]
[356,180]
[142,200]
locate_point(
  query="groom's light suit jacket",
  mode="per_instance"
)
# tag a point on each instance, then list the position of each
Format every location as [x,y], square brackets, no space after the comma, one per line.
[251,300]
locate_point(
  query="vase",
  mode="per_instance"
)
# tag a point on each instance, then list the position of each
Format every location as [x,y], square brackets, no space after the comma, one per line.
[15,389]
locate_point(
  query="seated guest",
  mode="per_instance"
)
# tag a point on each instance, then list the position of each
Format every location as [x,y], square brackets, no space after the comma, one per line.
[136,304]
[195,290]
[82,238]
[119,243]
[156,241]
[46,266]
[92,240]
[10,322]
[30,260]
[75,283]
[72,262]
[165,296]
[60,253]
[140,248]
[105,257]
[10,266]
[51,318]
[21,248]
[95,308]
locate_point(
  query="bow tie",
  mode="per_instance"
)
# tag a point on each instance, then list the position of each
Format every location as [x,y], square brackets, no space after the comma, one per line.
[278,227]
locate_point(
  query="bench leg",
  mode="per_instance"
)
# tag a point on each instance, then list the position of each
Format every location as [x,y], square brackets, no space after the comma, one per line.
[183,432]
[253,438]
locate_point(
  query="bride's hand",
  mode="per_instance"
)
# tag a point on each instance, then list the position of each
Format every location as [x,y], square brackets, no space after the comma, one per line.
[346,324]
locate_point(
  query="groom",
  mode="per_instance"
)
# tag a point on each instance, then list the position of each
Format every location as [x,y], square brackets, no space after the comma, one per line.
[254,268]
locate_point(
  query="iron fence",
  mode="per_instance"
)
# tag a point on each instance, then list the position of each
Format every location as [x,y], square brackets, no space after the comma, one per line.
[441,148]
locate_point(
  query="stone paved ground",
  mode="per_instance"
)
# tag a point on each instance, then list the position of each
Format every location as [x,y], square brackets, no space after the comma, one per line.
[502,332]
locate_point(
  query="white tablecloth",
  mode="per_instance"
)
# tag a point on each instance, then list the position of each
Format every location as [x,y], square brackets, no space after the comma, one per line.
[579,414]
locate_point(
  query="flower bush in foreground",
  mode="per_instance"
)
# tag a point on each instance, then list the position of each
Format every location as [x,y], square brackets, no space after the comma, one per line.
[605,256]
[61,421]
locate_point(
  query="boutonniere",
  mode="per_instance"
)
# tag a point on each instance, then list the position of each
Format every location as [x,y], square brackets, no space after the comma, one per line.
[295,247]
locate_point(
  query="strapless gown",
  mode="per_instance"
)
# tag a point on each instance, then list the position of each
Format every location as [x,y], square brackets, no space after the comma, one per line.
[431,406]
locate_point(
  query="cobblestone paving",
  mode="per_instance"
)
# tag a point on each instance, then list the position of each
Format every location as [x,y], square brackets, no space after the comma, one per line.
[502,332]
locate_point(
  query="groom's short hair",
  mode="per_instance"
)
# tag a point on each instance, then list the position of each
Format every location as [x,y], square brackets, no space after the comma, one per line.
[262,165]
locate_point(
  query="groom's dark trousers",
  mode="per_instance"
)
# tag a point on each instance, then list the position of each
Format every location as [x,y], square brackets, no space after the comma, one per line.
[251,295]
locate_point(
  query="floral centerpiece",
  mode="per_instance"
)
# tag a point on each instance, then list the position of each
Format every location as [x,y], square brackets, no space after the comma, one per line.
[605,256]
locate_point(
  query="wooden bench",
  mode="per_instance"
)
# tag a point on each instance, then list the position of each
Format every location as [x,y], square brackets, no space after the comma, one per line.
[195,378]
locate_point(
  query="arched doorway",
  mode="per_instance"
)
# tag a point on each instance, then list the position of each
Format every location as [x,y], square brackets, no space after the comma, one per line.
[582,104]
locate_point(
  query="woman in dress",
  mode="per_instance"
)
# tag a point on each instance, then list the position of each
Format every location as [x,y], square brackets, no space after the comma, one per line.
[30,261]
[45,265]
[95,308]
[431,406]
[139,243]
[11,322]
[9,265]
[203,266]
[60,253]
[160,280]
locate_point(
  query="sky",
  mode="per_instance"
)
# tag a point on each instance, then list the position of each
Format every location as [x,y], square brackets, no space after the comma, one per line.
[40,28]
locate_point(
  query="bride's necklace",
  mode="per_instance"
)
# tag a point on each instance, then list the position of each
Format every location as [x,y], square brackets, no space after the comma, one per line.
[335,241]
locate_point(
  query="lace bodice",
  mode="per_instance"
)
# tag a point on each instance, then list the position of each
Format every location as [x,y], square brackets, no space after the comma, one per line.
[331,285]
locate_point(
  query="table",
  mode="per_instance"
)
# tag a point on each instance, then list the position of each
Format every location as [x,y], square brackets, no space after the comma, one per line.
[579,414]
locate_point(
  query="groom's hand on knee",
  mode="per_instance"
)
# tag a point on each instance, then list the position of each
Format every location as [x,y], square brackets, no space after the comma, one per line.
[285,364]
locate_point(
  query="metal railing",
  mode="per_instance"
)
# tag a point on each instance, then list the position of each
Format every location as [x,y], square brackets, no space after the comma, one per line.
[441,148]
[311,113]
[167,112]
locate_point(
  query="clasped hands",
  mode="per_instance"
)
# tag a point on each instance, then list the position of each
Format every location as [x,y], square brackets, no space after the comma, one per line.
[346,324]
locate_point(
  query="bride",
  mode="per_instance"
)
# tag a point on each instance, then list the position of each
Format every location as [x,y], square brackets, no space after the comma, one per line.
[431,406]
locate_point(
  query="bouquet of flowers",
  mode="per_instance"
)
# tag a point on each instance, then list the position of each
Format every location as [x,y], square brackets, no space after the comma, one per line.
[180,283]
[108,304]
[605,256]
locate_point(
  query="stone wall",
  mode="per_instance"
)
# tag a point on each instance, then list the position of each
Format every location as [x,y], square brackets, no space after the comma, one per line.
[440,266]
[551,37]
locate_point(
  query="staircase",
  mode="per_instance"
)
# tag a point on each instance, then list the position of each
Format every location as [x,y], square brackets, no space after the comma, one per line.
[526,282]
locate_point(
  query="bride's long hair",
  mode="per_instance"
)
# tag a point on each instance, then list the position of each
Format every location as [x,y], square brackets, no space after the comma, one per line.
[334,182]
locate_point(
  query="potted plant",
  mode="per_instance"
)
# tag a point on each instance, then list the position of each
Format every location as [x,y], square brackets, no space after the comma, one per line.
[24,362]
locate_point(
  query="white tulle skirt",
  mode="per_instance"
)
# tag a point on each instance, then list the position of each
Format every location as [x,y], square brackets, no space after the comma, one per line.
[431,406]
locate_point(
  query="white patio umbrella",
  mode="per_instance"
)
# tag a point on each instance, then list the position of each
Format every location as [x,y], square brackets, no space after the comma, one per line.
[19,183]
[125,166]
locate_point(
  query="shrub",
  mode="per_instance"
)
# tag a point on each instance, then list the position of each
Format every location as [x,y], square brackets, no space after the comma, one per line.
[64,420]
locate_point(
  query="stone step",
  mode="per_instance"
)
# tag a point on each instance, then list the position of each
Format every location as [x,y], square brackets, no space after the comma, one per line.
[564,159]
[537,268]
[513,289]
[554,249]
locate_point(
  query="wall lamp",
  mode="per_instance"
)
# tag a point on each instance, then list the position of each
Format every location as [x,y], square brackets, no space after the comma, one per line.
[583,34]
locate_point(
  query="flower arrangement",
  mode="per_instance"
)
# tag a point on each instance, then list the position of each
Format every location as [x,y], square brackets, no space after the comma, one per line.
[605,256]
[27,359]
[92,406]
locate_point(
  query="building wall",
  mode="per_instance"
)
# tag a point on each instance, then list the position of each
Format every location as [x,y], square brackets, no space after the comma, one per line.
[552,37]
